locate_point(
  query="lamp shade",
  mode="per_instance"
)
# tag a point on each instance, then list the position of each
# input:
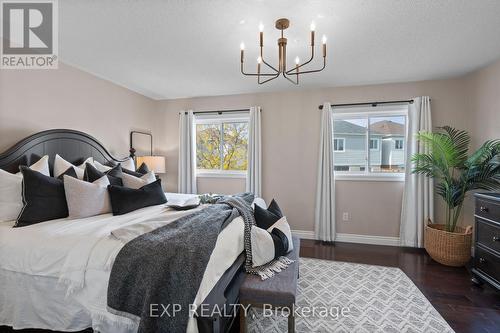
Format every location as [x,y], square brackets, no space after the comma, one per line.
[154,163]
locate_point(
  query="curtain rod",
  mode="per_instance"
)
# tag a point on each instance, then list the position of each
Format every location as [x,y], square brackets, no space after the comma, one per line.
[219,111]
[410,101]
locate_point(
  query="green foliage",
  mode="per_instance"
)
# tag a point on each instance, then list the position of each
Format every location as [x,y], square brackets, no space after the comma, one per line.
[445,158]
[222,146]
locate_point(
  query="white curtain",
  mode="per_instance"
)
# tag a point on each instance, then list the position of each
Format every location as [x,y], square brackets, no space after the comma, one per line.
[187,150]
[324,219]
[418,195]
[254,171]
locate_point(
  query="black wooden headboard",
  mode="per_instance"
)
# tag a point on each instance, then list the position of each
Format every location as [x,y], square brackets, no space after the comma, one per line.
[73,146]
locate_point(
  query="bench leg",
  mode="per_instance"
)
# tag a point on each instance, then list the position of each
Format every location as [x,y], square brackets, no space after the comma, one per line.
[243,321]
[291,322]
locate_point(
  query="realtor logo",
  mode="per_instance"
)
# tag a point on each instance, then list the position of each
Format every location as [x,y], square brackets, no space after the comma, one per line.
[29,34]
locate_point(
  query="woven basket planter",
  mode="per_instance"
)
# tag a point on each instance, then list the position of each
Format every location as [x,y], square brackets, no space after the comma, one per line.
[448,248]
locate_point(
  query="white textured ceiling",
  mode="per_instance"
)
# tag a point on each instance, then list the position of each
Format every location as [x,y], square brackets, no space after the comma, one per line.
[171,49]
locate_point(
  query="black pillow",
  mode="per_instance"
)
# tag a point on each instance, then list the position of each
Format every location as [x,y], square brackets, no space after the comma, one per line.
[125,200]
[69,172]
[138,173]
[43,198]
[264,218]
[91,174]
[142,169]
[274,208]
[280,243]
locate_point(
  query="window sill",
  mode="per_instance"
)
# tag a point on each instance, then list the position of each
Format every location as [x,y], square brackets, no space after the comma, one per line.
[241,175]
[371,178]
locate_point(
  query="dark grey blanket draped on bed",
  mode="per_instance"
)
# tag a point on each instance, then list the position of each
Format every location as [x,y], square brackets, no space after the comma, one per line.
[166,266]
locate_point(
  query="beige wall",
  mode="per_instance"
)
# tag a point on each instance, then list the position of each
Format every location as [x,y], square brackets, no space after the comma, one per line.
[290,130]
[483,114]
[484,103]
[35,100]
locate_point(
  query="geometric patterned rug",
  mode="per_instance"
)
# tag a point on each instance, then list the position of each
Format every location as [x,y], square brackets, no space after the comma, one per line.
[378,299]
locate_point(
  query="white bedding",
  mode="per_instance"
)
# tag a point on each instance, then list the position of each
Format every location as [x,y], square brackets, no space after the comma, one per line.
[55,274]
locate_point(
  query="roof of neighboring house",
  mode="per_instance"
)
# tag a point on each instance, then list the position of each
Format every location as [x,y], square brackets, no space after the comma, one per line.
[345,127]
[388,127]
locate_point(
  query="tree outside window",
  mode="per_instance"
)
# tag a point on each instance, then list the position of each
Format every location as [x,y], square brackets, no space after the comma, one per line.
[222,146]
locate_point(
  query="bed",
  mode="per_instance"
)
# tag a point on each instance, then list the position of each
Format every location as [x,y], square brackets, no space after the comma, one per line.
[54,274]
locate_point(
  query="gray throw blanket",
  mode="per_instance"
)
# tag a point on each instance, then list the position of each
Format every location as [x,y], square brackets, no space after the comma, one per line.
[265,271]
[166,266]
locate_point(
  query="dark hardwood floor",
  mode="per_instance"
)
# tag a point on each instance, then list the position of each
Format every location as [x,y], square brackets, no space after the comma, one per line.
[467,308]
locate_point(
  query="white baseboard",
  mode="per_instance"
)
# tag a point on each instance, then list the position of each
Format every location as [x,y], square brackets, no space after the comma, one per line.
[353,238]
[304,234]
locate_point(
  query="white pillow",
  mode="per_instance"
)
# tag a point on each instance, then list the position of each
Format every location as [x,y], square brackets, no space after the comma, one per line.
[135,182]
[259,202]
[129,164]
[42,166]
[263,248]
[86,199]
[101,167]
[61,165]
[11,201]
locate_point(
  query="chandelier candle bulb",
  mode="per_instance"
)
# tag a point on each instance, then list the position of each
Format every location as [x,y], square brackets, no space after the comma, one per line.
[297,60]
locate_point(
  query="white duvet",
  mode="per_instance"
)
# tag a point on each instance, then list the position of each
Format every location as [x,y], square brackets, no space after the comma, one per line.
[79,254]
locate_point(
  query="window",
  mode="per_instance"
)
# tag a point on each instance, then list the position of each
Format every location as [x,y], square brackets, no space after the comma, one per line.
[221,144]
[398,144]
[338,144]
[369,143]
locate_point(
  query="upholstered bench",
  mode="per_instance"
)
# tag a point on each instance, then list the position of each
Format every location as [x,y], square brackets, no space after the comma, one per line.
[278,291]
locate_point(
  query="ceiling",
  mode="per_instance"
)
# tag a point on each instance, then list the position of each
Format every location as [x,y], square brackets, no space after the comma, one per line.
[173,49]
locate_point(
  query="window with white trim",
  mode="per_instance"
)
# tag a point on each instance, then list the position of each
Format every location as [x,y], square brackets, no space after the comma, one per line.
[221,144]
[339,144]
[373,142]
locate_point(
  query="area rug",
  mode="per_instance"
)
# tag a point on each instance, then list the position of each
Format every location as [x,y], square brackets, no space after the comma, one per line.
[378,299]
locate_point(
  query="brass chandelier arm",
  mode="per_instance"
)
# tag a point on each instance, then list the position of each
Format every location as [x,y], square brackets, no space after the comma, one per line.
[265,62]
[255,74]
[267,80]
[309,71]
[289,72]
[296,82]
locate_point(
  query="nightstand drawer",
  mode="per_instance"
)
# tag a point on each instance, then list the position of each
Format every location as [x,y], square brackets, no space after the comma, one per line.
[488,209]
[488,234]
[487,263]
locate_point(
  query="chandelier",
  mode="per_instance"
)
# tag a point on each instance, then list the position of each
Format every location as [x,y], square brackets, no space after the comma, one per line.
[272,73]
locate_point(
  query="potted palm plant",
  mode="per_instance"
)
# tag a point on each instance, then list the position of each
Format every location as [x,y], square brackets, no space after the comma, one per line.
[455,173]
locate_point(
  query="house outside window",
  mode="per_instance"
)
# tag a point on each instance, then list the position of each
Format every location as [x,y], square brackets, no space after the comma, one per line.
[372,142]
[221,144]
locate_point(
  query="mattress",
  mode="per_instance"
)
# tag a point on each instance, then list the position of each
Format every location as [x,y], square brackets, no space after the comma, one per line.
[54,275]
